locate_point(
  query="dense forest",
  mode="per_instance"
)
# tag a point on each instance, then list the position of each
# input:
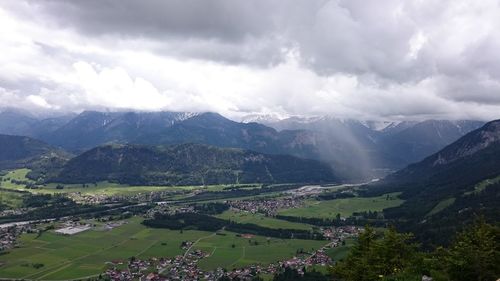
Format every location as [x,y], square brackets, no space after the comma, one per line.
[474,254]
[360,219]
[212,208]
[196,221]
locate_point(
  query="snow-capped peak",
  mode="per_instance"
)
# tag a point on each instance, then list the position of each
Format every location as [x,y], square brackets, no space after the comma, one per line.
[380,125]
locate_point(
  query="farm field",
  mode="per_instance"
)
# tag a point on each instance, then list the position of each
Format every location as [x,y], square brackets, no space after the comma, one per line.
[85,254]
[231,251]
[260,219]
[345,207]
[55,257]
[10,199]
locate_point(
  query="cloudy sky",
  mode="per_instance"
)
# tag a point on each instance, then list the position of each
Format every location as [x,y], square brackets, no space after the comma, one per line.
[361,59]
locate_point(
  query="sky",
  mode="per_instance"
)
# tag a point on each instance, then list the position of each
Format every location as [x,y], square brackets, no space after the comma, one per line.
[372,60]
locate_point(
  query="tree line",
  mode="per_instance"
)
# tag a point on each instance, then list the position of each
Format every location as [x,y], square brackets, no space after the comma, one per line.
[187,221]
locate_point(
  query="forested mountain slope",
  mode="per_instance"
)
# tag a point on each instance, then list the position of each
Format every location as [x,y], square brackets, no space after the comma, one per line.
[189,164]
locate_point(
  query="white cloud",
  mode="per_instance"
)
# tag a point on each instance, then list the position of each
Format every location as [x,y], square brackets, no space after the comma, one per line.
[382,59]
[113,87]
[416,43]
[38,101]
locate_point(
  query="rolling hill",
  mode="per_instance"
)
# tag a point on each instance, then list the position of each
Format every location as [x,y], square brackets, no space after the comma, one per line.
[188,164]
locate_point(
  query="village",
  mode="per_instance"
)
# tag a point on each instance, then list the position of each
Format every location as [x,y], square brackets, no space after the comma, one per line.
[185,267]
[10,234]
[268,207]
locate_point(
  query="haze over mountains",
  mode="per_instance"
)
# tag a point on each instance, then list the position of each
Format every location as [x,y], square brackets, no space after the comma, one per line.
[355,149]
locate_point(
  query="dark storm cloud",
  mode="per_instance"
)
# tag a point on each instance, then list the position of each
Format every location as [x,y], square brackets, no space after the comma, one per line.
[221,19]
[349,57]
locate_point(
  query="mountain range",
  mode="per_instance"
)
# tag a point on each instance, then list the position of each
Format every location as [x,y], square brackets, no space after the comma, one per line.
[457,178]
[355,149]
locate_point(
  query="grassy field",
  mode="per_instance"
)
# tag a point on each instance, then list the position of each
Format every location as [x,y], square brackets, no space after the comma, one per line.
[345,207]
[341,252]
[10,199]
[259,219]
[441,206]
[482,185]
[85,254]
[231,251]
[19,175]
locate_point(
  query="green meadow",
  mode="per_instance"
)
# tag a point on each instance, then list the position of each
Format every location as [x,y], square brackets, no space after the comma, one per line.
[56,257]
[260,219]
[85,254]
[445,203]
[341,251]
[104,187]
[228,250]
[10,199]
[345,207]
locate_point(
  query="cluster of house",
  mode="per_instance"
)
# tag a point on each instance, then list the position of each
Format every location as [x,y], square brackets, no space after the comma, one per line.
[299,262]
[269,207]
[185,267]
[13,212]
[340,233]
[91,199]
[165,209]
[9,235]
[151,196]
[182,267]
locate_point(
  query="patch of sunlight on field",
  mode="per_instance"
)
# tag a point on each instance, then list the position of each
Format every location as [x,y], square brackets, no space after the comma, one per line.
[345,207]
[104,187]
[441,206]
[482,185]
[260,219]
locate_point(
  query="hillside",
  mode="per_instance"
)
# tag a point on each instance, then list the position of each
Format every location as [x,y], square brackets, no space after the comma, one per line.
[450,187]
[189,164]
[18,151]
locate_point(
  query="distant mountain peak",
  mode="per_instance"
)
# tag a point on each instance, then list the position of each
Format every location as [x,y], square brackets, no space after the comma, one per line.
[262,118]
[380,125]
